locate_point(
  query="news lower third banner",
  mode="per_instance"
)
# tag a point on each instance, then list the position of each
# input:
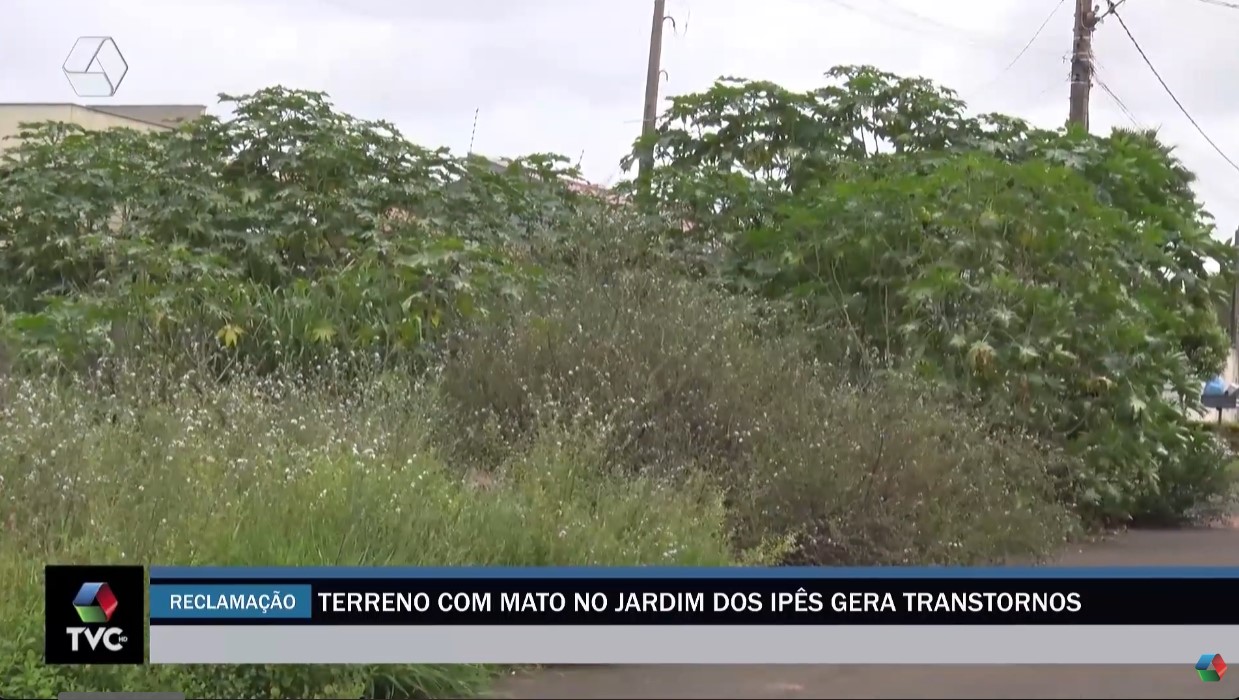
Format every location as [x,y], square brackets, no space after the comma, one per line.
[884,615]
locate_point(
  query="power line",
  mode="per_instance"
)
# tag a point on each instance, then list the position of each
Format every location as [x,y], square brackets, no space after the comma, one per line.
[1119,103]
[1166,87]
[1058,83]
[1112,9]
[992,81]
[878,17]
[964,37]
[1117,100]
[1221,3]
[1098,68]
[922,18]
[1036,34]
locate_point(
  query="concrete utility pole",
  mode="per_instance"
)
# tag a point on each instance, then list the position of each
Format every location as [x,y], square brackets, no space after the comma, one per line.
[1082,62]
[653,73]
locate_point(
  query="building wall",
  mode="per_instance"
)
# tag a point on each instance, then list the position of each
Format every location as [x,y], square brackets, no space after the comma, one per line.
[13,115]
[1231,374]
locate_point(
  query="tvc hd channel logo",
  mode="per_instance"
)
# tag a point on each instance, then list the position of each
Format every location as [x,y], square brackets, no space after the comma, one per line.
[94,615]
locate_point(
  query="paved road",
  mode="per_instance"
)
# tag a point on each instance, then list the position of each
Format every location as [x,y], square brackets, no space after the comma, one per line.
[1202,547]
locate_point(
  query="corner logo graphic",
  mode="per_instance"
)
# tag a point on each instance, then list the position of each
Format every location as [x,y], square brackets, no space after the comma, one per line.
[94,614]
[95,603]
[1211,668]
[95,67]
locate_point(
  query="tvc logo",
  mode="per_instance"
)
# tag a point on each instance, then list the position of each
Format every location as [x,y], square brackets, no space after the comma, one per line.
[95,604]
[95,615]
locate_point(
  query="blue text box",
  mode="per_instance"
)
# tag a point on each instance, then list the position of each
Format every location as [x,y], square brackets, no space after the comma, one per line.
[188,601]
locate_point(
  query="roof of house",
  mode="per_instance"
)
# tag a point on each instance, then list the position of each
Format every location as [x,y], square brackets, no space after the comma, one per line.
[169,115]
[156,115]
[575,184]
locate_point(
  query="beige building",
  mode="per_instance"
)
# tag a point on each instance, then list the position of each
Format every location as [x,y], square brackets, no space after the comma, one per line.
[94,117]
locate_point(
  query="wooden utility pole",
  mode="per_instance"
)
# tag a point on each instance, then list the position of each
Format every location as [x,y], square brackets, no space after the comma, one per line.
[653,73]
[1082,62]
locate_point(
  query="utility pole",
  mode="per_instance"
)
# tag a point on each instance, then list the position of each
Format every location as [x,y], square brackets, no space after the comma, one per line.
[1082,62]
[653,73]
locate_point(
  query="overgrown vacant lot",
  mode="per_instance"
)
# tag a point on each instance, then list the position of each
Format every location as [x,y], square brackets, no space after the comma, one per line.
[274,472]
[848,326]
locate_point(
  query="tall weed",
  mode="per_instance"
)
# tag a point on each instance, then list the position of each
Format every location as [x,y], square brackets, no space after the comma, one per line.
[680,379]
[275,472]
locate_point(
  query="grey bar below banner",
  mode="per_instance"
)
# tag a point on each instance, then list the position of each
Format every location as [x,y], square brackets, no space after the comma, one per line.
[572,644]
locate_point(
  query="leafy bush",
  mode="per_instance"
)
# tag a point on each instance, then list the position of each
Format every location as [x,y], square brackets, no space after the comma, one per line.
[288,232]
[1000,303]
[1058,279]
[275,472]
[678,379]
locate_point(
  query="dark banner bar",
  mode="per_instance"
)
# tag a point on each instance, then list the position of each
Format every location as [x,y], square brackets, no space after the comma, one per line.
[739,600]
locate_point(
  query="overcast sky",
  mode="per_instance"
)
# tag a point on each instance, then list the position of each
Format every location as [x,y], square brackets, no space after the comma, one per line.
[567,76]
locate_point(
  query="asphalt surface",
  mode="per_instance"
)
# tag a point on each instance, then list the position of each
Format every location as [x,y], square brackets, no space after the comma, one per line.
[1199,547]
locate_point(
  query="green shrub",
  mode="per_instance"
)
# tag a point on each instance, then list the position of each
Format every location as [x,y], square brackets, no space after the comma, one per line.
[1067,281]
[288,232]
[994,303]
[679,379]
[1204,487]
[276,472]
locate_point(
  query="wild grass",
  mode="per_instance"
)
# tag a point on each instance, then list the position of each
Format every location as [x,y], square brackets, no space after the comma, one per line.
[268,471]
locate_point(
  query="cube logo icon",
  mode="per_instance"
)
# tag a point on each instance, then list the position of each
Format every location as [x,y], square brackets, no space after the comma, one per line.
[84,620]
[95,67]
[1211,668]
[95,603]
